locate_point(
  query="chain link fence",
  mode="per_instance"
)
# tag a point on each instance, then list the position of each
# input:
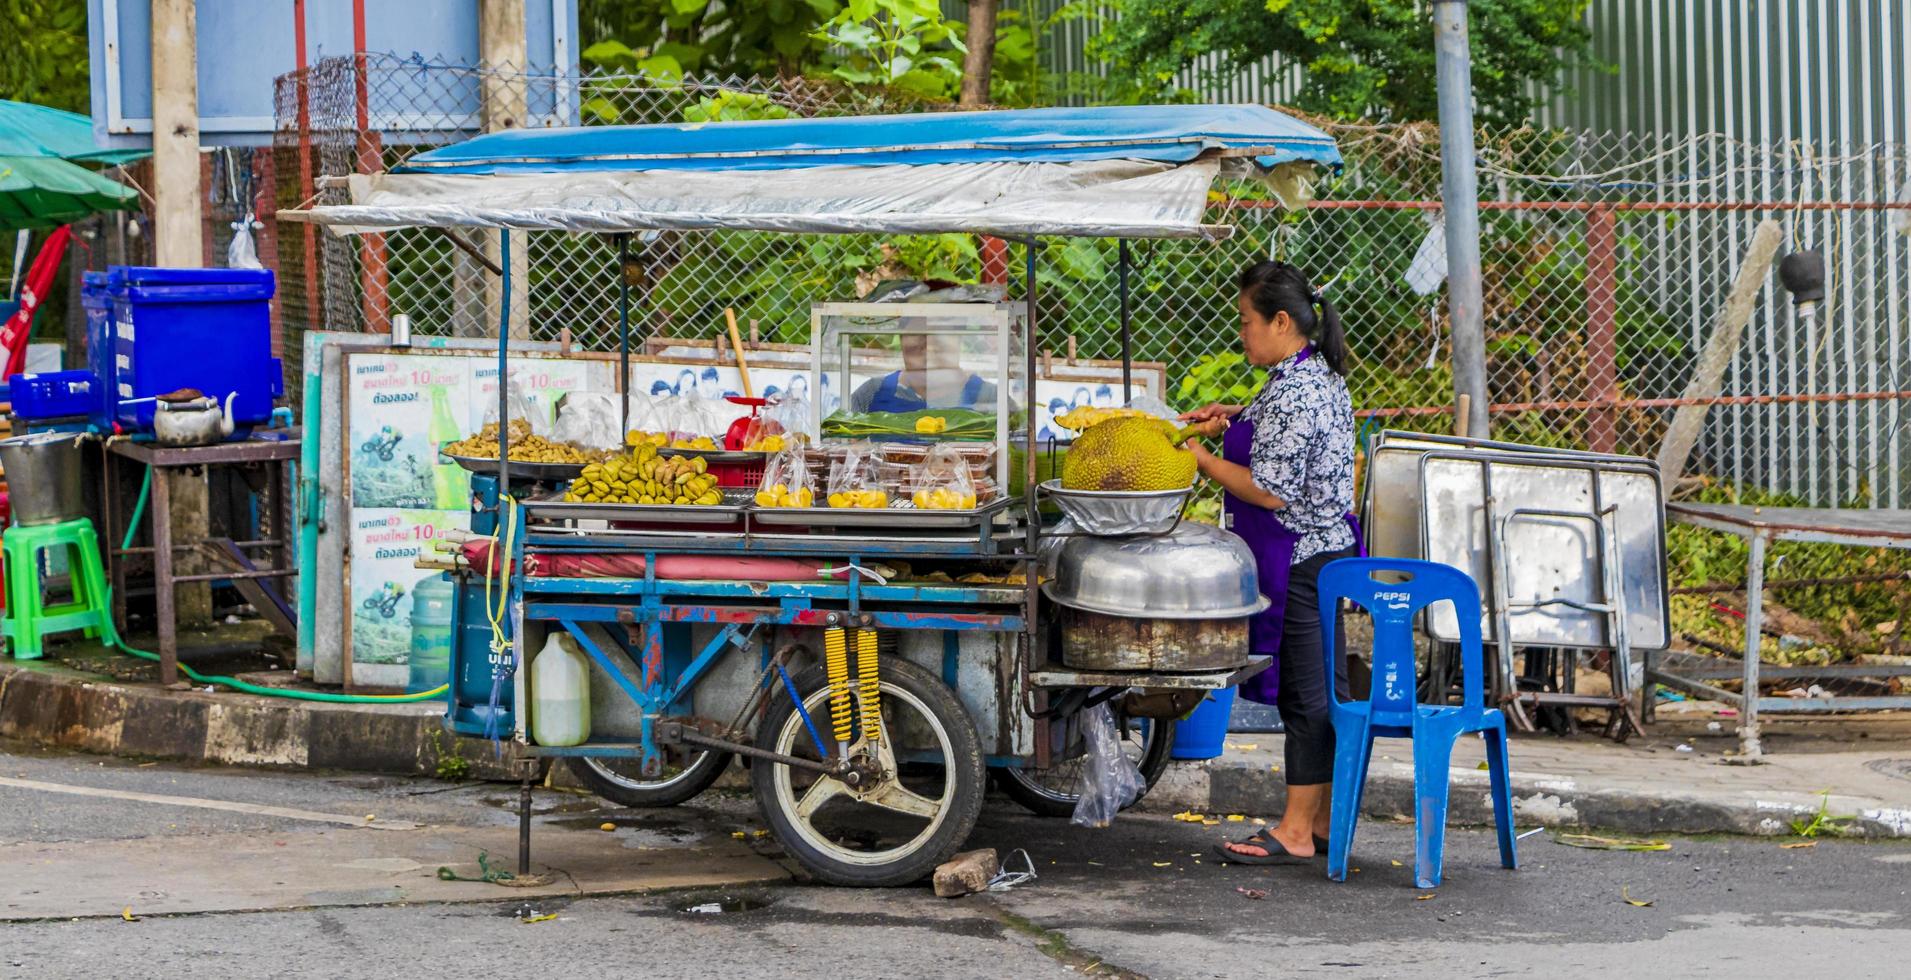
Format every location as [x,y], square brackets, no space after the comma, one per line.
[1607,257]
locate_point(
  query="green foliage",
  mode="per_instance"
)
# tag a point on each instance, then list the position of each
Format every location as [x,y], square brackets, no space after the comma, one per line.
[900,45]
[1364,59]
[767,37]
[732,106]
[45,58]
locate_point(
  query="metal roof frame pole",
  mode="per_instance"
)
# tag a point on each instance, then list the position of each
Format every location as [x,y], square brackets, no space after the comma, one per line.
[1460,199]
[504,374]
[623,331]
[1127,331]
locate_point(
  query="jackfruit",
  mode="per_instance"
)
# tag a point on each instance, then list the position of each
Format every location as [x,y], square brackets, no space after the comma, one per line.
[1135,453]
[1084,418]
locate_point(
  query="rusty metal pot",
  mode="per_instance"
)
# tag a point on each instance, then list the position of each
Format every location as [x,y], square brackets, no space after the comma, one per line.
[1170,603]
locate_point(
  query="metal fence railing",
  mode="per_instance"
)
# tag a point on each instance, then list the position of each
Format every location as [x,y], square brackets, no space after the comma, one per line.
[1606,258]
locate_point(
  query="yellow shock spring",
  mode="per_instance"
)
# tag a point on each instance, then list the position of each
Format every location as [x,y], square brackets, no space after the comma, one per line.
[870,685]
[836,666]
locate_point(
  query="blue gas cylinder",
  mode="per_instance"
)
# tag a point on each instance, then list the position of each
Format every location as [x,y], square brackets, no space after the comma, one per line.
[474,668]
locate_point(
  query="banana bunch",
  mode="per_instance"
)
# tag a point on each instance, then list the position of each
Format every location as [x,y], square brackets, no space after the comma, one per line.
[780,495]
[1084,417]
[644,477]
[859,498]
[943,498]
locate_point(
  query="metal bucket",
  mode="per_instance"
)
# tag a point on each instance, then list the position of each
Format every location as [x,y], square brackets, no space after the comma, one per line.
[43,477]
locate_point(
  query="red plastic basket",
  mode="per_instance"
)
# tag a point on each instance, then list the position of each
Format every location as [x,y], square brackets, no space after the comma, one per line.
[739,476]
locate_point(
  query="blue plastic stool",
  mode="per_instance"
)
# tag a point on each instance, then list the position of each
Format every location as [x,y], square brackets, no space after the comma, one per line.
[1393,709]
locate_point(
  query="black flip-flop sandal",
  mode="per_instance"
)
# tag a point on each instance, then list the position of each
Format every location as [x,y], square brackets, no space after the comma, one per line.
[1276,852]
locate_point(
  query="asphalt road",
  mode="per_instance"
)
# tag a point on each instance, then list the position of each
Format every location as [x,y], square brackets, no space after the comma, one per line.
[1142,898]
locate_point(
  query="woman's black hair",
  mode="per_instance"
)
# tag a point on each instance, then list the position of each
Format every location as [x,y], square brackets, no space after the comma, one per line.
[1276,287]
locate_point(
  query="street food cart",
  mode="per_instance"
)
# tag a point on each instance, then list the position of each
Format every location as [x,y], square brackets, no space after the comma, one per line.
[868,664]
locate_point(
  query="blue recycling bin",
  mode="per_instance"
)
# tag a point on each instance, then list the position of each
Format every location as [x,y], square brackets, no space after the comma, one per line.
[1204,734]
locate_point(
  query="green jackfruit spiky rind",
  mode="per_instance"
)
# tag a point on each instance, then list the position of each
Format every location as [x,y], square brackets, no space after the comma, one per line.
[1140,454]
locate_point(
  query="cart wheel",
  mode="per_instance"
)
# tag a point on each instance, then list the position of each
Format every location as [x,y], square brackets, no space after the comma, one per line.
[902,821]
[1051,792]
[620,780]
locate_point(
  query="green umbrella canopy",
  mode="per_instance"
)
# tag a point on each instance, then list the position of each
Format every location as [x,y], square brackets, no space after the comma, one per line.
[28,130]
[45,192]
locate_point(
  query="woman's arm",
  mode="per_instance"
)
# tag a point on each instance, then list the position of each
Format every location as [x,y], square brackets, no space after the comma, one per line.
[1208,413]
[1234,478]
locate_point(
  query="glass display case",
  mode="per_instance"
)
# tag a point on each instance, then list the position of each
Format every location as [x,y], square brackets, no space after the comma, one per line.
[922,373]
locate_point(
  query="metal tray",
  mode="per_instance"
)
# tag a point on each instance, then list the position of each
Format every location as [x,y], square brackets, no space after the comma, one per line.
[728,512]
[1546,557]
[714,455]
[520,469]
[892,516]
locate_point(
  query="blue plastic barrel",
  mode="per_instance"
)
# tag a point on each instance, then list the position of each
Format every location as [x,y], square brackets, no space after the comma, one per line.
[1204,734]
[429,663]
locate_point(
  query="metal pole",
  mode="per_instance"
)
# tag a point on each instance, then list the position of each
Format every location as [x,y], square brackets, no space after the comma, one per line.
[1127,335]
[1748,745]
[504,371]
[1460,199]
[623,331]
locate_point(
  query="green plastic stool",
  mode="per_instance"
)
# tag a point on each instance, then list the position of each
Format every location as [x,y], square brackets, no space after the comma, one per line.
[27,619]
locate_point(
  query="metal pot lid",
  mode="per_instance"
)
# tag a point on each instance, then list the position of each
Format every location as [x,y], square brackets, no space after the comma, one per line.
[1196,572]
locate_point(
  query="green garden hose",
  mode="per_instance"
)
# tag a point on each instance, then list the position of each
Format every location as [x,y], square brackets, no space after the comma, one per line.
[132,528]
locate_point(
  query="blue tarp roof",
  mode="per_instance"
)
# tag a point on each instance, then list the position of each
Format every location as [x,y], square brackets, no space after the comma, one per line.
[1169,134]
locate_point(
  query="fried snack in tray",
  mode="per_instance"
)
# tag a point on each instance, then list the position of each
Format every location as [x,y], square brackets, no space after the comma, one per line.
[526,446]
[644,477]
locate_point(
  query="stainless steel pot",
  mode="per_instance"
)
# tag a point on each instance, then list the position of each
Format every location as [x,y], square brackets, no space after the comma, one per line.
[1196,572]
[43,477]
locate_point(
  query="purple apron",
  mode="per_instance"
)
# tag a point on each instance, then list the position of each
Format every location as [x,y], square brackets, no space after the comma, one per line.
[1273,547]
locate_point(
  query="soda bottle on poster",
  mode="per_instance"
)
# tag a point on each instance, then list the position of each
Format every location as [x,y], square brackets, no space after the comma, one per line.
[450,482]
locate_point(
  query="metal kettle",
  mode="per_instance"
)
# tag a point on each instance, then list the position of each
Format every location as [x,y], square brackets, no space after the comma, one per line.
[192,421]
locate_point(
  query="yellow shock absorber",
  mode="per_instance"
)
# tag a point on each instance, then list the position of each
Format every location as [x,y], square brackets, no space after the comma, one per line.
[869,684]
[836,666]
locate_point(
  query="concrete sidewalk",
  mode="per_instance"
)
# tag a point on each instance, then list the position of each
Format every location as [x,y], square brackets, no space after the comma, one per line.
[54,705]
[1677,779]
[1856,768]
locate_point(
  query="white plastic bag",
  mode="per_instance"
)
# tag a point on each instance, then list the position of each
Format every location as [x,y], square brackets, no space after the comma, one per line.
[588,420]
[1110,780]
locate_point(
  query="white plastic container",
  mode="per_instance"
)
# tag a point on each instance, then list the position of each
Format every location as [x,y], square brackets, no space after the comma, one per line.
[560,693]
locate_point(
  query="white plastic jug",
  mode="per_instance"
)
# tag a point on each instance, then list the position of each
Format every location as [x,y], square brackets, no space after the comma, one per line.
[560,693]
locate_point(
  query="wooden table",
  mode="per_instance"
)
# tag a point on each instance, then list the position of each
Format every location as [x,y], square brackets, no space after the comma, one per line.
[270,453]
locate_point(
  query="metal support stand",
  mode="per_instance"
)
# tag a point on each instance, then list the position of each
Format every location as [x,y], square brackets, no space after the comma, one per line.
[524,825]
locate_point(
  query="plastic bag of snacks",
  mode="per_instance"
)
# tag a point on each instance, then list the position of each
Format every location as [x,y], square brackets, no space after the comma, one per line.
[792,415]
[645,425]
[524,408]
[854,480]
[786,481]
[942,481]
[684,423]
[588,420]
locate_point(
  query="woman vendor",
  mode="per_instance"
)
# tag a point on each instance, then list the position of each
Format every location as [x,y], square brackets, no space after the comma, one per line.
[1287,464]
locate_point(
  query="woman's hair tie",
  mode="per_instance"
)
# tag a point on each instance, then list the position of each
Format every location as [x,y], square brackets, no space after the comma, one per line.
[1317,297]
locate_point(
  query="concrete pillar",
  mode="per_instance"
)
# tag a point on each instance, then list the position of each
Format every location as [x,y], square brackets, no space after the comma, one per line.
[503,105]
[178,241]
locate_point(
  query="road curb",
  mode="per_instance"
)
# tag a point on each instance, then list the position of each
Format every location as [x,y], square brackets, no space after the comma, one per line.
[56,706]
[1225,786]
